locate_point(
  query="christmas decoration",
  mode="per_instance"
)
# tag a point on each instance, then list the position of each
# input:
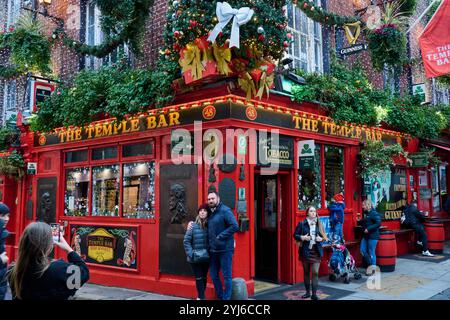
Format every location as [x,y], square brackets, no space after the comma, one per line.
[30,49]
[226,51]
[123,21]
[224,14]
[322,16]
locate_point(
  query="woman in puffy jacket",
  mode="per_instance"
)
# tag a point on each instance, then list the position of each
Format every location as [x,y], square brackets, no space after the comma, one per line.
[197,249]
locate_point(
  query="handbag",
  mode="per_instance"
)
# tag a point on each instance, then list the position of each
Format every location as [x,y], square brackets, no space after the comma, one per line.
[300,243]
[200,255]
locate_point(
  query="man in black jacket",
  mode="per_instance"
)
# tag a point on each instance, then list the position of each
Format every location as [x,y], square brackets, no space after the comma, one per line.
[4,218]
[221,227]
[414,219]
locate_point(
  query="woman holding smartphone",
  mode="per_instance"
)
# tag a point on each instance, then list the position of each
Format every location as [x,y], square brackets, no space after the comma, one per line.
[35,277]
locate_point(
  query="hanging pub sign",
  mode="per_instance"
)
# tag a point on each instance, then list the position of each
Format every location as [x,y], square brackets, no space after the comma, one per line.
[31,168]
[356,48]
[40,91]
[109,246]
[418,159]
[271,153]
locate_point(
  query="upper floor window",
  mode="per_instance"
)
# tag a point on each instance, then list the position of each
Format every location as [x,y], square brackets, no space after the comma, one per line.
[95,36]
[391,79]
[10,100]
[13,12]
[306,49]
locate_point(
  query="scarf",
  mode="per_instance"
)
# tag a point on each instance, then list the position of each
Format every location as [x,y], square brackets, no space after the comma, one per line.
[312,231]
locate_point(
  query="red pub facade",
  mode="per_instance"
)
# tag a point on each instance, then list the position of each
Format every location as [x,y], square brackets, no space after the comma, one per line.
[126,202]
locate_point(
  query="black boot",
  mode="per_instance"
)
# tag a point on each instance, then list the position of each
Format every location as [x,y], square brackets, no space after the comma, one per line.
[306,295]
[314,297]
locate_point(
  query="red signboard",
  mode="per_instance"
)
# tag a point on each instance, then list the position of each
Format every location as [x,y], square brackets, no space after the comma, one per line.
[435,43]
[41,90]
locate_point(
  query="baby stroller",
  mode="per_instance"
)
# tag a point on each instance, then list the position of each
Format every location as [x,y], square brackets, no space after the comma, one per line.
[342,264]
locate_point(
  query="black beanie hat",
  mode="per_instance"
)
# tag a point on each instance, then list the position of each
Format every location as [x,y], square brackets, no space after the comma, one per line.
[203,206]
[3,209]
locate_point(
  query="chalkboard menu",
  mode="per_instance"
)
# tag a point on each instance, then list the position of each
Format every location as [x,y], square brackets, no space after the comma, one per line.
[111,246]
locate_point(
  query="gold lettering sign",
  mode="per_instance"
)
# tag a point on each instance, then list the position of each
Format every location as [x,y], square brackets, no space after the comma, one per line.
[101,245]
[333,129]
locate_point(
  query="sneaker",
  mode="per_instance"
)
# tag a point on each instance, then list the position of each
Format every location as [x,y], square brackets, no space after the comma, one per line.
[427,253]
[199,299]
[419,243]
[306,295]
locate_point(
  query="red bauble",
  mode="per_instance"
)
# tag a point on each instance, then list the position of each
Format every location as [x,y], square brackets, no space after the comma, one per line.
[261,38]
[286,44]
[193,23]
[305,5]
[177,34]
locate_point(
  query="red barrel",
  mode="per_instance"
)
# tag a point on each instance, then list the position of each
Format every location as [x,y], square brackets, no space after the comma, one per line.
[386,251]
[436,235]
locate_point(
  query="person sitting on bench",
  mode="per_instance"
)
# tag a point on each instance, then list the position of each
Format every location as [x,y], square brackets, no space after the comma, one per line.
[414,219]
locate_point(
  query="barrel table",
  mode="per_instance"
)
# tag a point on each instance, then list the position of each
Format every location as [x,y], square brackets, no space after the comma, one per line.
[435,234]
[386,251]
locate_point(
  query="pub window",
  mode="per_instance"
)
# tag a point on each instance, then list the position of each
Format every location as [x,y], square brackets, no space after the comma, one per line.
[76,156]
[77,191]
[309,182]
[137,149]
[435,189]
[334,171]
[306,49]
[139,190]
[104,153]
[105,190]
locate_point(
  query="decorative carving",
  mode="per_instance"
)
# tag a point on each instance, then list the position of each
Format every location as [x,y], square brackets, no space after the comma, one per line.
[227,192]
[212,188]
[212,173]
[177,203]
[242,173]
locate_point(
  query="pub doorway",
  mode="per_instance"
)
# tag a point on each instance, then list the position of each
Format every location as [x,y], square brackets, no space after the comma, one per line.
[273,228]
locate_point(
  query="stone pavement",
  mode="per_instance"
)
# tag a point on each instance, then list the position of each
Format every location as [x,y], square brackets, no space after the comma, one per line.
[411,280]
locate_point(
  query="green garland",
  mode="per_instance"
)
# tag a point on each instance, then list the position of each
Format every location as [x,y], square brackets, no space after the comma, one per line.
[376,158]
[9,72]
[322,16]
[123,21]
[110,92]
[29,49]
[444,80]
[12,165]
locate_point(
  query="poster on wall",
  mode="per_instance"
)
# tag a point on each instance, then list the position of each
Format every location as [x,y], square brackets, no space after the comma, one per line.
[111,246]
[387,191]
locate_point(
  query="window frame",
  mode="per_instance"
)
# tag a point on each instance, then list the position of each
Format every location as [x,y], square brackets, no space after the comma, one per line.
[311,40]
[119,161]
[91,62]
[13,12]
[9,100]
[323,206]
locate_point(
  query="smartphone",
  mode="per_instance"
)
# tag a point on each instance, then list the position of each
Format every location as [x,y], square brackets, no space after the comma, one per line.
[56,232]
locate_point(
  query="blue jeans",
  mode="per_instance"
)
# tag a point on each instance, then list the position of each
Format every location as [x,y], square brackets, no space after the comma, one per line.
[337,233]
[221,261]
[367,249]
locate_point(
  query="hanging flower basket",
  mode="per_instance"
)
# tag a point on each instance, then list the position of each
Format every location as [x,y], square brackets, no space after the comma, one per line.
[387,45]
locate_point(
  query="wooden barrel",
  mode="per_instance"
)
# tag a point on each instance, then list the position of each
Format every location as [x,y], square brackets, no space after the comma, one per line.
[239,289]
[436,235]
[386,251]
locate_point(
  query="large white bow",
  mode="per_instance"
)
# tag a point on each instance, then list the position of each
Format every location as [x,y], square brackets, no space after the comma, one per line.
[224,13]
